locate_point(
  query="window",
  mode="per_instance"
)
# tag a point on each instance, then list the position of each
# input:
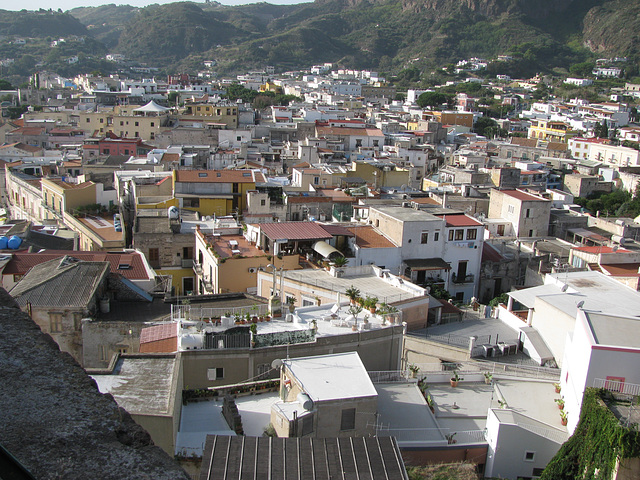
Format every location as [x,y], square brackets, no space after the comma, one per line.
[88,120]
[529,456]
[316,180]
[102,120]
[263,202]
[459,234]
[531,233]
[436,236]
[137,124]
[450,235]
[263,369]
[77,320]
[191,203]
[238,138]
[358,142]
[154,254]
[187,253]
[537,472]
[122,350]
[153,124]
[527,213]
[510,209]
[235,188]
[424,237]
[55,320]
[348,421]
[103,353]
[215,373]
[471,234]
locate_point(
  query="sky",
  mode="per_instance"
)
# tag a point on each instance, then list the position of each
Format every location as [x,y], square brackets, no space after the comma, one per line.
[69,4]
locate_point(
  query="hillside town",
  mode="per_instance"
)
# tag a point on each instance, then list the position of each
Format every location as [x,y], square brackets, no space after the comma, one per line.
[364,277]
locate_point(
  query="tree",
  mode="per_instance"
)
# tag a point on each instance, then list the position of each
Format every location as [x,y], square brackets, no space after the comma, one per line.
[485,125]
[601,130]
[582,69]
[4,85]
[432,99]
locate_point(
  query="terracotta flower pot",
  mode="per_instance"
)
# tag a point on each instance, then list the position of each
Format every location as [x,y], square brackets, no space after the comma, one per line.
[454,383]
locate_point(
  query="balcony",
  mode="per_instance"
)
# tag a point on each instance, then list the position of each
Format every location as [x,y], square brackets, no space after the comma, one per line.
[197,267]
[206,282]
[461,279]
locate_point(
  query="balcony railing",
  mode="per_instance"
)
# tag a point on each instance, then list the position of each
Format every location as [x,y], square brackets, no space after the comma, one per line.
[197,267]
[187,263]
[462,279]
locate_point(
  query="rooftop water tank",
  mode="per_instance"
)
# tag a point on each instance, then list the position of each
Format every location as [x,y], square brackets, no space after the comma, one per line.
[14,242]
[3,242]
[173,212]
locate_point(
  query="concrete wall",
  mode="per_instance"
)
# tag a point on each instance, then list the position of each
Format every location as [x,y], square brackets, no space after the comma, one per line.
[420,351]
[101,340]
[508,445]
[378,349]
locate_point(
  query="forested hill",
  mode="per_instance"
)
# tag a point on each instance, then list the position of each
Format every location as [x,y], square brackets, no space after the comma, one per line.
[387,35]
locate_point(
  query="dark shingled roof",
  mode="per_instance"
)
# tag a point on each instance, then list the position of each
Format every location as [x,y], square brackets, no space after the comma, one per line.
[54,420]
[65,281]
[364,458]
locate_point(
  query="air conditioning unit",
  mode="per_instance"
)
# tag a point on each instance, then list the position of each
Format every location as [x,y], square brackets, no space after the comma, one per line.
[253,270]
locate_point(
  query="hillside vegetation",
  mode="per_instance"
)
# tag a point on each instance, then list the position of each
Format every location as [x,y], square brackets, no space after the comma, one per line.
[387,35]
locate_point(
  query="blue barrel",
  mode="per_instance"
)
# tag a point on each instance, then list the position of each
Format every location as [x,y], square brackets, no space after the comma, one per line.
[14,242]
[3,242]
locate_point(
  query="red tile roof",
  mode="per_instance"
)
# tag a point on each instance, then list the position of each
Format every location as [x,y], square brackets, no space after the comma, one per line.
[601,249]
[23,261]
[368,237]
[490,254]
[460,220]
[294,231]
[523,196]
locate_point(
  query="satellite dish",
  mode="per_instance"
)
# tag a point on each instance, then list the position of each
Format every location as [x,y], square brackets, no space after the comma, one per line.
[200,325]
[580,304]
[564,288]
[277,363]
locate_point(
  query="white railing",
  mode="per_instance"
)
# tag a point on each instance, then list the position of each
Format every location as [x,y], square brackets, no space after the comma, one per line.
[617,386]
[498,368]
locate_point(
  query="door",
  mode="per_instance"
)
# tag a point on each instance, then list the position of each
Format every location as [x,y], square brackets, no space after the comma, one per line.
[462,271]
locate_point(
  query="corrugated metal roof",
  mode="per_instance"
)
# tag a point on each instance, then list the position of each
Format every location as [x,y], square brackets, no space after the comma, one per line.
[64,282]
[294,231]
[240,457]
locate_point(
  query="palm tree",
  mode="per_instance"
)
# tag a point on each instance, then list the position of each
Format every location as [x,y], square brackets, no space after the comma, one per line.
[353,293]
[340,261]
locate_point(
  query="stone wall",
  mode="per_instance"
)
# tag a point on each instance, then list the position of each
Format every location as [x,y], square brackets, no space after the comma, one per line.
[56,422]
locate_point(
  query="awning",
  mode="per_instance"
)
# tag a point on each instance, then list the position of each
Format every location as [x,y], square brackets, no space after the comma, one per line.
[427,264]
[324,249]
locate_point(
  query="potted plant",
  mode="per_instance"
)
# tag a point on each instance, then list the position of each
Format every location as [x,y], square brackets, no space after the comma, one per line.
[503,404]
[291,301]
[355,310]
[560,402]
[314,325]
[563,418]
[414,369]
[254,331]
[557,387]
[353,293]
[455,379]
[488,377]
[340,261]
[371,303]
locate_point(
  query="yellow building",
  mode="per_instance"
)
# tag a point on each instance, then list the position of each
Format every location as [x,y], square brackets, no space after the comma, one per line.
[271,87]
[227,114]
[129,126]
[59,197]
[215,192]
[454,118]
[230,263]
[551,131]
